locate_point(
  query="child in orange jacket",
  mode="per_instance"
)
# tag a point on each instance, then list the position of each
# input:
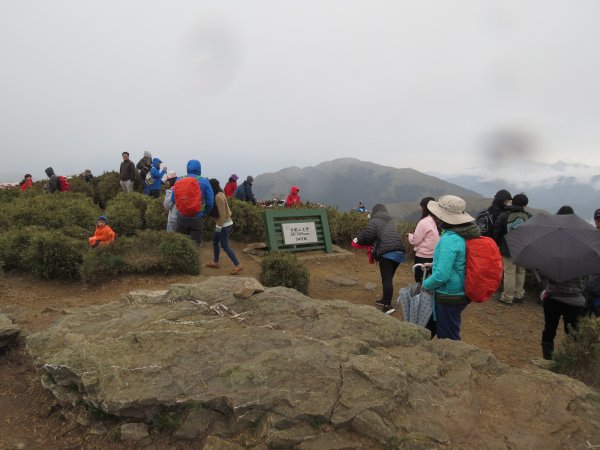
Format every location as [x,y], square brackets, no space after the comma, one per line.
[103,234]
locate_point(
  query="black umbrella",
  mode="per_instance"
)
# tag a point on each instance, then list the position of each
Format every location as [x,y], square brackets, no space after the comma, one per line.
[560,247]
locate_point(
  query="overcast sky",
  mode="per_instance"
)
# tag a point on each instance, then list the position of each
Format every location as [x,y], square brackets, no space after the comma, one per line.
[255,86]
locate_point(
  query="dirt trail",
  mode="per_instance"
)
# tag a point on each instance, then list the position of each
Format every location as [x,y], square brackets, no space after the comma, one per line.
[30,419]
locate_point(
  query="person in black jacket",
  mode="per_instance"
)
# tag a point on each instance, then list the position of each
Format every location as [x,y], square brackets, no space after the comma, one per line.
[244,191]
[382,234]
[53,183]
[514,276]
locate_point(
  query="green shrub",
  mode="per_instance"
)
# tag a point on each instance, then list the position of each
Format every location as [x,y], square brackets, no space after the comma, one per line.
[284,269]
[248,222]
[179,254]
[126,213]
[404,228]
[147,252]
[345,226]
[51,211]
[52,255]
[106,187]
[14,243]
[156,216]
[101,265]
[579,354]
[79,186]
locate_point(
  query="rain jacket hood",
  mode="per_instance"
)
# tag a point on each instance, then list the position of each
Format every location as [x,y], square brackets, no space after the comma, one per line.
[294,190]
[49,171]
[194,167]
[156,162]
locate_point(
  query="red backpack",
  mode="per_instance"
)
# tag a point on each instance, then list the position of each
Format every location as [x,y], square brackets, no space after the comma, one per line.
[63,184]
[188,196]
[483,272]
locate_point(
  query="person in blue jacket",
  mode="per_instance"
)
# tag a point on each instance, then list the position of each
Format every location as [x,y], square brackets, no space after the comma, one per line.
[447,279]
[157,173]
[192,226]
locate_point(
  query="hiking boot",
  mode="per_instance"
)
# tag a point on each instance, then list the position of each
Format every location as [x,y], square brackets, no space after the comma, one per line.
[236,270]
[380,302]
[213,264]
[547,350]
[387,309]
[503,300]
[518,300]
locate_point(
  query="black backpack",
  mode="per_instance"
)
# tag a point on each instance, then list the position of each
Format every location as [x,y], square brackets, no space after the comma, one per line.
[485,222]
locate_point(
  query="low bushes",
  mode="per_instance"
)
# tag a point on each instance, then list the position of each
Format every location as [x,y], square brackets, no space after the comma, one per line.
[248,222]
[147,252]
[155,217]
[345,226]
[579,354]
[126,213]
[52,255]
[284,269]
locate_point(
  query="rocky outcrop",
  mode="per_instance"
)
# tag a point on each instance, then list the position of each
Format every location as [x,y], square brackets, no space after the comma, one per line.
[294,372]
[8,331]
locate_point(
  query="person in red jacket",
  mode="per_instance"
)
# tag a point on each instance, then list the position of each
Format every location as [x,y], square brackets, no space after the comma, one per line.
[231,186]
[26,183]
[293,199]
[103,235]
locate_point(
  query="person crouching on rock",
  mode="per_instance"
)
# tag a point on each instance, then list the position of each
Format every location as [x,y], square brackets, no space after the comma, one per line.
[388,251]
[103,234]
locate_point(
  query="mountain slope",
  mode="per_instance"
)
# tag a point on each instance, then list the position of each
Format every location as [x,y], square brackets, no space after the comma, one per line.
[346,181]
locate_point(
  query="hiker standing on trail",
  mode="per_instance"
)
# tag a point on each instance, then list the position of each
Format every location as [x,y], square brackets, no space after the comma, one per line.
[169,203]
[126,173]
[382,234]
[566,300]
[157,172]
[223,227]
[144,165]
[53,183]
[244,191]
[231,186]
[293,198]
[488,217]
[514,276]
[193,201]
[447,277]
[424,239]
[26,183]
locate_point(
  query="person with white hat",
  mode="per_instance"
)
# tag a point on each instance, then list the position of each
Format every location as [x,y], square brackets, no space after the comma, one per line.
[169,203]
[447,279]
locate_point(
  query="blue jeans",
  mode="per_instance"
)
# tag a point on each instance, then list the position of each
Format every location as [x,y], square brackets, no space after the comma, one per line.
[222,238]
[448,321]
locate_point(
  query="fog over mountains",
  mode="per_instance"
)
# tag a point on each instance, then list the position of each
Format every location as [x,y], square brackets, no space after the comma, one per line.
[548,186]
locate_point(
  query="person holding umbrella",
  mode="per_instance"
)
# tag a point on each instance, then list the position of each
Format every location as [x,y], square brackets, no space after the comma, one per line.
[562,250]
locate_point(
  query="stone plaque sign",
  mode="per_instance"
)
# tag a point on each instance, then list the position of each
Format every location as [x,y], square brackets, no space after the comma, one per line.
[299,233]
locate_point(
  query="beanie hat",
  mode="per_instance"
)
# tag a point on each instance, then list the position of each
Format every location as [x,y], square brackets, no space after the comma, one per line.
[520,200]
[104,218]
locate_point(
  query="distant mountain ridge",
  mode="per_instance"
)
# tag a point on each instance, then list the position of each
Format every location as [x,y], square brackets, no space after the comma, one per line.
[346,181]
[548,186]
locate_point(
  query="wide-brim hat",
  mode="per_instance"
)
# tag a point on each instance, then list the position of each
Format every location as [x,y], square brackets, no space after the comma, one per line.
[450,209]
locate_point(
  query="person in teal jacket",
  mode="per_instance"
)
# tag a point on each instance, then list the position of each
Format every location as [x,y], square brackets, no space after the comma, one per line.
[447,279]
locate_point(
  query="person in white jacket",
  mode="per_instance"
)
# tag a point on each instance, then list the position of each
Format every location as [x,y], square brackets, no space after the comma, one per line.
[168,202]
[424,239]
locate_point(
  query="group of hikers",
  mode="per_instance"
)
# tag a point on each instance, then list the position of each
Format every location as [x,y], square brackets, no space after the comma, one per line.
[440,244]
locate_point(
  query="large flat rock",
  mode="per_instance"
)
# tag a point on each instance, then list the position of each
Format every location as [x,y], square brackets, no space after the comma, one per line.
[296,371]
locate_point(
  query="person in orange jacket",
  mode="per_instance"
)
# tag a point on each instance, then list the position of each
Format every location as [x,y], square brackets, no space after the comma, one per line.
[103,234]
[293,199]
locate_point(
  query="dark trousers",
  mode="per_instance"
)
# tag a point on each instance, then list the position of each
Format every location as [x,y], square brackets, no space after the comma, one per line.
[553,310]
[448,321]
[192,226]
[387,269]
[419,270]
[221,240]
[154,193]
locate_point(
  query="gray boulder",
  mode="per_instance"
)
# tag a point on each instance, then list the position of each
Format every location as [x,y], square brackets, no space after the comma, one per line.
[299,372]
[8,330]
